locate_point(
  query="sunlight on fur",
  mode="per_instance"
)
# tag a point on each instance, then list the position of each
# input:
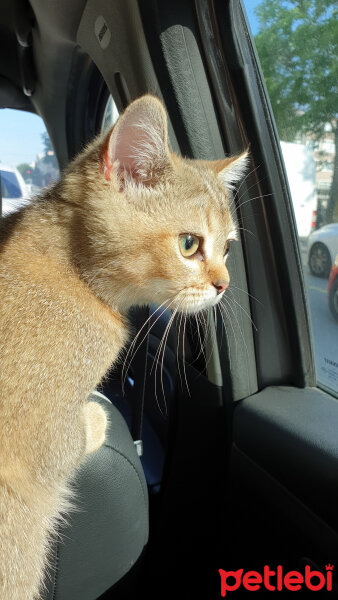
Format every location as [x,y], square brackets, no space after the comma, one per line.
[129,223]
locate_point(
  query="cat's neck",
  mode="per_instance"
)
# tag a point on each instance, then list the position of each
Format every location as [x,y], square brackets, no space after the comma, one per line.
[59,228]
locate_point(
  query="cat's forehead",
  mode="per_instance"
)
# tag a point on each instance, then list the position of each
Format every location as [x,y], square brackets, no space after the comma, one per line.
[192,199]
[206,198]
[204,185]
[212,226]
[199,214]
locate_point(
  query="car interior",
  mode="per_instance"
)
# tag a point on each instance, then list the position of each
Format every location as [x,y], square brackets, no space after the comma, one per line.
[240,457]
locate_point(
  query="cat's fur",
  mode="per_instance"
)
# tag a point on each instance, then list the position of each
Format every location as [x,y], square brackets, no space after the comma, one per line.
[103,238]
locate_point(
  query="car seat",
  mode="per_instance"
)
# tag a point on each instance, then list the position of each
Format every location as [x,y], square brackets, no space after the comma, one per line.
[106,534]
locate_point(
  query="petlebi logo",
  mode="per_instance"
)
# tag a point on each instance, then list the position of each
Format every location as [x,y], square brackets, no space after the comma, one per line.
[276,580]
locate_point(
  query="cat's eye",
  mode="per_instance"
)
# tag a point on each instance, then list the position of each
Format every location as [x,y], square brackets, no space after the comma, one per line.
[227,248]
[189,244]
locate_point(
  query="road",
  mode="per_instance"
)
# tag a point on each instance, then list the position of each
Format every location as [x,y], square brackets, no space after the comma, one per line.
[324,326]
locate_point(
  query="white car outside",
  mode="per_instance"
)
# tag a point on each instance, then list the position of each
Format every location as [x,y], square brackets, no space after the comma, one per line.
[322,249]
[14,191]
[301,171]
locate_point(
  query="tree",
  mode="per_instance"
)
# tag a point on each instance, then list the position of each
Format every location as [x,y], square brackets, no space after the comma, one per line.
[26,170]
[298,47]
[49,156]
[47,144]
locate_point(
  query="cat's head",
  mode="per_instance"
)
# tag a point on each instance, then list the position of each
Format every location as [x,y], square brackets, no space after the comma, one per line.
[163,223]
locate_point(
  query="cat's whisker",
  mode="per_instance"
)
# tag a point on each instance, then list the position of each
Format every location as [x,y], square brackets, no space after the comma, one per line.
[156,360]
[252,199]
[247,231]
[183,355]
[245,178]
[246,292]
[175,311]
[206,316]
[215,316]
[216,325]
[200,338]
[243,309]
[222,308]
[163,352]
[177,348]
[209,331]
[228,302]
[251,186]
[152,324]
[204,320]
[158,349]
[183,318]
[131,350]
[234,209]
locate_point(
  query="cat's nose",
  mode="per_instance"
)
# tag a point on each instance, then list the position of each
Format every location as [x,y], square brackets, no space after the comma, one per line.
[220,285]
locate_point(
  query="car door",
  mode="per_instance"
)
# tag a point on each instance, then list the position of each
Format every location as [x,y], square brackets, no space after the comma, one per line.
[284,452]
[284,445]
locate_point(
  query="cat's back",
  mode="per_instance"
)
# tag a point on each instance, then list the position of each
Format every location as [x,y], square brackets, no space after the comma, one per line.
[45,308]
[33,255]
[36,253]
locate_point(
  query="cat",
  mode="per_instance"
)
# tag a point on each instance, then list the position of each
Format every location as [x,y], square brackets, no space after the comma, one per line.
[129,223]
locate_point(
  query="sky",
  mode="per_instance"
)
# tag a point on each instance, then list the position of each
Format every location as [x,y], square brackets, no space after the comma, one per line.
[20,132]
[20,136]
[250,6]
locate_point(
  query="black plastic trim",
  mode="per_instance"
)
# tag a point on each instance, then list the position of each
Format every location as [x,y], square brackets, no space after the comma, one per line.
[87,96]
[282,341]
[292,434]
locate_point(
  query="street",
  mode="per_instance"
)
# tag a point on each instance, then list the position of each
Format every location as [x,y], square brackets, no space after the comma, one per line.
[324,326]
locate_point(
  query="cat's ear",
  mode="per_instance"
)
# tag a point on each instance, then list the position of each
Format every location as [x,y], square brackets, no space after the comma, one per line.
[137,147]
[232,169]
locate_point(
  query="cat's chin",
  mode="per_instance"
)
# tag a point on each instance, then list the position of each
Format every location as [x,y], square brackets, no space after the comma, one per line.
[198,304]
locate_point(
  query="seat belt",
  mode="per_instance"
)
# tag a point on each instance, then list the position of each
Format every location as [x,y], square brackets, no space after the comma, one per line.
[140,375]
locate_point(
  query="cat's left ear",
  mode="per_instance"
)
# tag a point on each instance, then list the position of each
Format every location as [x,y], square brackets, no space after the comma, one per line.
[137,148]
[232,169]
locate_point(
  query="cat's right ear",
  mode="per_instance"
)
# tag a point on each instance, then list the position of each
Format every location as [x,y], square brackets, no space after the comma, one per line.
[137,147]
[232,169]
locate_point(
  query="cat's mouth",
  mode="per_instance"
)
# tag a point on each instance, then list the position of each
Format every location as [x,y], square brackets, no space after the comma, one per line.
[190,302]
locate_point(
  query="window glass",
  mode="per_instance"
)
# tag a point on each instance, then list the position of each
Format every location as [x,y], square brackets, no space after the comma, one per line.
[110,115]
[27,159]
[10,186]
[297,44]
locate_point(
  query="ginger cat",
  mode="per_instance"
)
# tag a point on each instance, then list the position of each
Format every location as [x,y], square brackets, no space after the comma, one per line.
[128,223]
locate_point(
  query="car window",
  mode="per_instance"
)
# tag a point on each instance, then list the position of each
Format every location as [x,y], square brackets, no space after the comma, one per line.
[27,158]
[110,115]
[10,187]
[297,45]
